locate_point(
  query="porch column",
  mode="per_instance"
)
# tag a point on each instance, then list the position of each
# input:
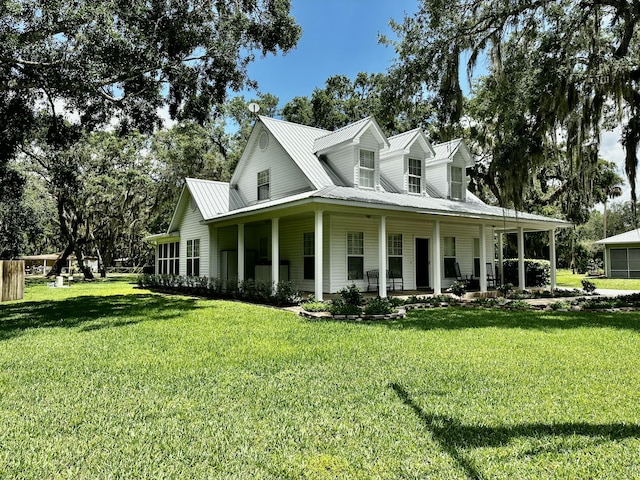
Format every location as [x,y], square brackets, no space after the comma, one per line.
[552,258]
[318,255]
[240,252]
[521,273]
[501,257]
[275,252]
[382,257]
[213,253]
[483,259]
[437,275]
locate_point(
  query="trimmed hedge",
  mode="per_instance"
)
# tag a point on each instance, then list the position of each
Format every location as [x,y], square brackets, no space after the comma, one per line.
[257,291]
[537,272]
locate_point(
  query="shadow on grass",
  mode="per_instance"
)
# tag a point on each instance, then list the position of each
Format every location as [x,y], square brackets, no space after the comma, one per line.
[453,318]
[453,436]
[90,312]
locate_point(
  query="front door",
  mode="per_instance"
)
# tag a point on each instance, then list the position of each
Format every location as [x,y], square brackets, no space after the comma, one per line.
[422,263]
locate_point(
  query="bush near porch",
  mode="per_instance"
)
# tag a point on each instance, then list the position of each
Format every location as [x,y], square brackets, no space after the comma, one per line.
[537,272]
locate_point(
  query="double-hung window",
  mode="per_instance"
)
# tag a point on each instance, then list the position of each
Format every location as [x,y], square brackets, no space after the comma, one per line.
[193,258]
[456,182]
[415,176]
[355,255]
[264,185]
[394,253]
[449,257]
[309,256]
[367,169]
[476,257]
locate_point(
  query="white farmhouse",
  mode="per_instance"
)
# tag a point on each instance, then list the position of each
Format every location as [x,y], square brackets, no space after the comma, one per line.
[329,209]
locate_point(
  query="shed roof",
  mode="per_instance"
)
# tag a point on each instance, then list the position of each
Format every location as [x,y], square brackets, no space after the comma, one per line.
[632,236]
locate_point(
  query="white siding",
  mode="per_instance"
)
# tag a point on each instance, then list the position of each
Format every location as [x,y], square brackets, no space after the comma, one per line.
[285,176]
[191,229]
[292,249]
[438,178]
[343,162]
[394,168]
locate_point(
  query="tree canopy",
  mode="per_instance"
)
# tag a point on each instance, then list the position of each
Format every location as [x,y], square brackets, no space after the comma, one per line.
[559,71]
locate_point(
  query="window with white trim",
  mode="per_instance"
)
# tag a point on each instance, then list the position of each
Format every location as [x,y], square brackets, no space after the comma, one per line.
[168,258]
[456,182]
[394,254]
[367,169]
[309,252]
[449,250]
[355,255]
[264,185]
[415,175]
[193,258]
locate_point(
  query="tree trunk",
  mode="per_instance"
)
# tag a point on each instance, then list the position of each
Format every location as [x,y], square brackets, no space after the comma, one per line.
[61,261]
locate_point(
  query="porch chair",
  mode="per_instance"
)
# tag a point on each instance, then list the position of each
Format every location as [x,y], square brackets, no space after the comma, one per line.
[492,279]
[373,277]
[468,280]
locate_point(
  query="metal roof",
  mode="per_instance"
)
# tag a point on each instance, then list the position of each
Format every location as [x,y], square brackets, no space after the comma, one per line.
[297,140]
[403,141]
[212,198]
[446,149]
[347,134]
[425,205]
[632,236]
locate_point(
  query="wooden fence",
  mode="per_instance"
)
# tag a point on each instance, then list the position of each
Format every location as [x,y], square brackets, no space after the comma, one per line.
[11,280]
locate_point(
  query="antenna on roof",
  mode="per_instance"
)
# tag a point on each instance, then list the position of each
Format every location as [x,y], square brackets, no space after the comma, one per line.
[253,107]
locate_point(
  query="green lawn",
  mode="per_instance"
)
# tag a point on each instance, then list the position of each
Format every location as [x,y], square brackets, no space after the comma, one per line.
[564,278]
[107,381]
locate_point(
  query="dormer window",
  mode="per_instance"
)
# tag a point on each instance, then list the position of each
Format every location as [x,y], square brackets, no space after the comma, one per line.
[264,181]
[456,182]
[415,176]
[367,169]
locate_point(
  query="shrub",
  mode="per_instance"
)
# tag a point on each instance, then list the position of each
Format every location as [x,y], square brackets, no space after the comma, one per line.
[537,272]
[561,305]
[506,288]
[458,288]
[378,306]
[339,307]
[286,293]
[315,306]
[351,295]
[588,286]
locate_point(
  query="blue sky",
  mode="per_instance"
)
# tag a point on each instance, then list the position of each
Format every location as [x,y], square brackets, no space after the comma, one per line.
[338,37]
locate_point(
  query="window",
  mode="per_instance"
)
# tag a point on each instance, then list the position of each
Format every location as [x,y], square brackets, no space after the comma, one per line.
[394,252]
[456,182]
[355,255]
[264,192]
[309,256]
[415,176]
[168,258]
[476,257]
[193,258]
[367,169]
[263,248]
[450,257]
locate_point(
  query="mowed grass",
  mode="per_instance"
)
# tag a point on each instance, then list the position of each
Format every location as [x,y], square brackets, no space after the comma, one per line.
[107,381]
[565,278]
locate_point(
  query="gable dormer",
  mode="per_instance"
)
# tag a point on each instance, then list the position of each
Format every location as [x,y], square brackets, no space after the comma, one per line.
[353,152]
[277,162]
[404,162]
[447,170]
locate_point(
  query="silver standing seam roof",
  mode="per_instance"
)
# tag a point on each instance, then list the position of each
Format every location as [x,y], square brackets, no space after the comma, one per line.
[217,201]
[632,236]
